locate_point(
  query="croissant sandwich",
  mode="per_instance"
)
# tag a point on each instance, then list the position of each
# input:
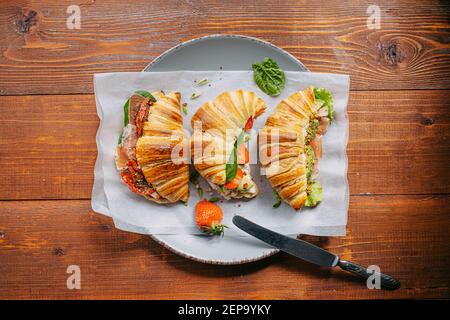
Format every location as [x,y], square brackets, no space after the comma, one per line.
[290,145]
[219,142]
[150,154]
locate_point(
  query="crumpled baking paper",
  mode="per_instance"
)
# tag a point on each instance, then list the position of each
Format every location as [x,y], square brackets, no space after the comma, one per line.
[134,213]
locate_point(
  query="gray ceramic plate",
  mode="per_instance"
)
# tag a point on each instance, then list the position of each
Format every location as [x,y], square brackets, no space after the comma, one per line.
[220,52]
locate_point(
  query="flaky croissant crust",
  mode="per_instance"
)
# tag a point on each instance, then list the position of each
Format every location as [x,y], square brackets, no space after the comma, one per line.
[212,124]
[160,149]
[282,146]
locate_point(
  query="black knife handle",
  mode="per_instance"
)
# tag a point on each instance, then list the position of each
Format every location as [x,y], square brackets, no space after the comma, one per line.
[386,282]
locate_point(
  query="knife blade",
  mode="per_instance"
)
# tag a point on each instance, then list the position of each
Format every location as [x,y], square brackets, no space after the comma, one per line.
[313,254]
[299,248]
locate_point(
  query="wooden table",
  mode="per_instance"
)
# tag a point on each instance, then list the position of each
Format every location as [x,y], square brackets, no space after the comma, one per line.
[398,151]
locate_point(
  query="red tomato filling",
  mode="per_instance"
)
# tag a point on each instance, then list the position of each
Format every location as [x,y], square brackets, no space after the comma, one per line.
[133,177]
[249,124]
[243,155]
[233,184]
[142,115]
[132,174]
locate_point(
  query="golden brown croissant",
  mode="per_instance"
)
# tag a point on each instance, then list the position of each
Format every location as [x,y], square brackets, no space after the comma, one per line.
[290,144]
[151,155]
[218,144]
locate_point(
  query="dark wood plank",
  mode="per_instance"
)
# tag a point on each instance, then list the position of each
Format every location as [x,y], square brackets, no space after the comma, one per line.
[407,236]
[400,138]
[40,55]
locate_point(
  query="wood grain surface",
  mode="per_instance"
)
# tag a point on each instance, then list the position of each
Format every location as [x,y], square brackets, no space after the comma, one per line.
[399,148]
[405,235]
[51,141]
[42,56]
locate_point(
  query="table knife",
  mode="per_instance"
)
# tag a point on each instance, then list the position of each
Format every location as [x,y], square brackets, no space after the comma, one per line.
[309,252]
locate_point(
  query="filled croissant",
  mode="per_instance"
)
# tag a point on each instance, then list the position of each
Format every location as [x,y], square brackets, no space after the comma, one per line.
[219,142]
[290,145]
[150,154]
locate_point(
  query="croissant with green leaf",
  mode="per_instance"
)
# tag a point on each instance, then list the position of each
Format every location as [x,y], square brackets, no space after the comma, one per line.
[153,129]
[290,145]
[219,142]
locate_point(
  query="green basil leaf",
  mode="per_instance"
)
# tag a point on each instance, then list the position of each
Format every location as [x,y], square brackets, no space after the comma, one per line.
[241,138]
[193,178]
[126,111]
[214,199]
[146,94]
[126,106]
[269,77]
[232,165]
[278,199]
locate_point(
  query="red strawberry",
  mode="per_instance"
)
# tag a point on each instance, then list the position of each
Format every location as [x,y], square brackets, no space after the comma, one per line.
[208,217]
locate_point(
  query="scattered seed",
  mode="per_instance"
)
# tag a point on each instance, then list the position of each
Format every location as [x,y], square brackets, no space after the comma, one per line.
[195,95]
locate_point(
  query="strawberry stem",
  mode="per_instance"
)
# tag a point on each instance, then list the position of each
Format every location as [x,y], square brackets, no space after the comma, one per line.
[215,229]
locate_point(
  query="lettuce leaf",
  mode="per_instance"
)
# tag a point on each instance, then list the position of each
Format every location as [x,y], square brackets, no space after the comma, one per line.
[146,94]
[278,199]
[324,98]
[315,194]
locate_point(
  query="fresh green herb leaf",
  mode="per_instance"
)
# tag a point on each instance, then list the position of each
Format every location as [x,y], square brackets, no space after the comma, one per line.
[222,188]
[202,82]
[278,199]
[232,166]
[193,178]
[126,112]
[315,194]
[185,108]
[241,138]
[146,94]
[126,106]
[325,99]
[269,77]
[213,199]
[195,95]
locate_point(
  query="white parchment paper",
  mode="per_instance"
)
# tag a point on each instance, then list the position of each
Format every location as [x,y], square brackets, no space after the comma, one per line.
[136,214]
